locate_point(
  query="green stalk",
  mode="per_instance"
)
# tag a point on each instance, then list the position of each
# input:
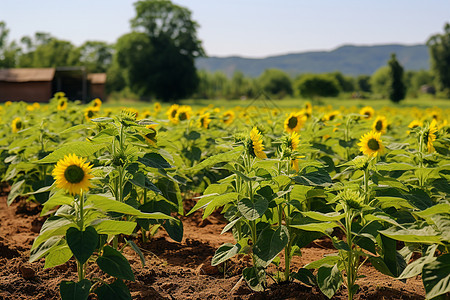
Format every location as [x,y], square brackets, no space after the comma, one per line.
[366,186]
[80,266]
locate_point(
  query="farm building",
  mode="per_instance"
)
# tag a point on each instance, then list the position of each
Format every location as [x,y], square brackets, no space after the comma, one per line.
[39,84]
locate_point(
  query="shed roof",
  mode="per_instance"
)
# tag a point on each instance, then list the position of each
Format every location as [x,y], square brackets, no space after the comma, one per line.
[27,74]
[97,78]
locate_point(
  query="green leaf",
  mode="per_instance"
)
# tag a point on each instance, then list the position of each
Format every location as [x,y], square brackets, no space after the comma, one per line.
[442,222]
[218,201]
[59,198]
[113,227]
[215,159]
[270,242]
[154,160]
[415,267]
[16,190]
[81,149]
[44,248]
[441,208]
[379,264]
[255,278]
[333,216]
[109,205]
[315,178]
[114,291]
[252,210]
[227,251]
[413,234]
[115,264]
[436,276]
[142,181]
[53,227]
[102,119]
[82,243]
[329,280]
[327,261]
[75,290]
[175,229]
[397,202]
[391,257]
[305,276]
[58,256]
[323,227]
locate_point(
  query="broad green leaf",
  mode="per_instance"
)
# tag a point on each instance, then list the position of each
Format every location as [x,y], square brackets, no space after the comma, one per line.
[379,264]
[323,227]
[58,256]
[142,181]
[227,251]
[394,167]
[397,202]
[154,160]
[255,278]
[81,149]
[316,178]
[329,280]
[137,250]
[441,208]
[327,261]
[109,205]
[442,222]
[16,190]
[218,201]
[75,290]
[415,268]
[270,242]
[53,227]
[82,243]
[252,210]
[391,257]
[305,276]
[215,159]
[113,227]
[175,229]
[329,217]
[436,276]
[115,264]
[59,198]
[213,190]
[114,291]
[413,234]
[44,248]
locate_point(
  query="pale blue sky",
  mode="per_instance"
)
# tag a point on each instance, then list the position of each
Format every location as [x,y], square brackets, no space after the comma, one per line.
[250,28]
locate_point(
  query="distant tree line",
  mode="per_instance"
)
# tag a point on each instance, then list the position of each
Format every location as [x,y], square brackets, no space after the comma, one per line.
[157,60]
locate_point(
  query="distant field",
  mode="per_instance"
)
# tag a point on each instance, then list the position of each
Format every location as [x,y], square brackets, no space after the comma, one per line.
[424,102]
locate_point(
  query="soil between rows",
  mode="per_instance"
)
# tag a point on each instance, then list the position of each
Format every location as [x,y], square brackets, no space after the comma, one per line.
[173,270]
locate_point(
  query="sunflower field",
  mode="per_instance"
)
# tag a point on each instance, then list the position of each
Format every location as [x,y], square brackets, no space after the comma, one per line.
[375,183]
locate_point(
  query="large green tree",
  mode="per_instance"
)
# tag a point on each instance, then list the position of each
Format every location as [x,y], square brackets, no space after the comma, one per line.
[396,86]
[158,57]
[8,51]
[276,83]
[439,47]
[317,85]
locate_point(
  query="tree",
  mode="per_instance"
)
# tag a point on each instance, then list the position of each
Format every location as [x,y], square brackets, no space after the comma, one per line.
[317,85]
[158,57]
[276,83]
[380,81]
[396,87]
[345,82]
[95,56]
[8,52]
[363,83]
[439,47]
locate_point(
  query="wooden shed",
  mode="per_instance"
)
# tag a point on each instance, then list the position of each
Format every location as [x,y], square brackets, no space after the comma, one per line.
[27,84]
[97,85]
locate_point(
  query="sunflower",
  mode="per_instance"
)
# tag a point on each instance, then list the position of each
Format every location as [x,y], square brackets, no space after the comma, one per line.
[367,112]
[72,174]
[307,109]
[228,117]
[146,114]
[172,112]
[257,146]
[430,135]
[371,144]
[151,136]
[331,116]
[157,107]
[294,122]
[97,103]
[293,141]
[183,113]
[8,103]
[36,105]
[90,113]
[17,125]
[414,124]
[204,120]
[59,95]
[380,124]
[62,103]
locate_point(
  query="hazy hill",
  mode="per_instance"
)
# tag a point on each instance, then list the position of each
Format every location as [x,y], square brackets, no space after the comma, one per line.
[350,60]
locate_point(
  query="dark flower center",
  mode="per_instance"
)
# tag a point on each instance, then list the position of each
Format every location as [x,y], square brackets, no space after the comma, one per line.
[379,126]
[331,118]
[182,116]
[90,113]
[19,125]
[74,174]
[292,123]
[151,135]
[173,113]
[373,145]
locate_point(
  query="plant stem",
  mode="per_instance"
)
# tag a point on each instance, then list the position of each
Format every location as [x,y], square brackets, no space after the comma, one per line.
[366,186]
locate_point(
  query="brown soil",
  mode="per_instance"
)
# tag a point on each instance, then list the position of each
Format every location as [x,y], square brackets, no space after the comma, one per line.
[173,270]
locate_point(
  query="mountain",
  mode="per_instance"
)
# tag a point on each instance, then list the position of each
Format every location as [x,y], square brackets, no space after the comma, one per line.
[349,59]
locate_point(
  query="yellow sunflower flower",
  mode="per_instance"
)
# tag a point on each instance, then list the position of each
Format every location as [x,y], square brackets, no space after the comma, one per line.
[72,173]
[293,141]
[294,122]
[371,144]
[157,107]
[172,113]
[380,124]
[430,136]
[183,113]
[62,103]
[331,116]
[151,136]
[228,117]
[257,146]
[90,113]
[17,125]
[146,114]
[97,103]
[367,112]
[415,123]
[8,103]
[204,120]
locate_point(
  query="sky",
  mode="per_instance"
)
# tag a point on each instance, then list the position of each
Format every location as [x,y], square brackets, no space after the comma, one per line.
[248,28]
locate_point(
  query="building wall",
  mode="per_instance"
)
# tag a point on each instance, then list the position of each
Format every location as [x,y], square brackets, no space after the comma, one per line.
[98,91]
[37,91]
